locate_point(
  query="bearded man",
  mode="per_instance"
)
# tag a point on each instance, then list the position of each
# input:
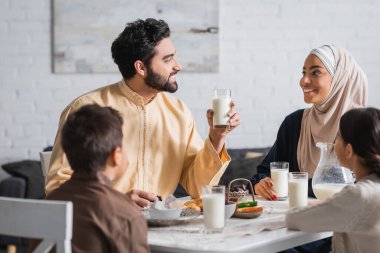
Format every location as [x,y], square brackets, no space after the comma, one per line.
[164,147]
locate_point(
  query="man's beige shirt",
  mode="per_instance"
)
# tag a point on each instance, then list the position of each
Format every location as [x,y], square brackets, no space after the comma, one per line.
[163,146]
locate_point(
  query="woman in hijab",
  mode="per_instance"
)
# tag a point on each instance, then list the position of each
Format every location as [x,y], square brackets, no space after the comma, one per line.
[333,83]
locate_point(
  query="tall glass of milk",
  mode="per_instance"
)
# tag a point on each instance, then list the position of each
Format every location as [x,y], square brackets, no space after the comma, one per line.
[221,106]
[213,198]
[298,190]
[279,175]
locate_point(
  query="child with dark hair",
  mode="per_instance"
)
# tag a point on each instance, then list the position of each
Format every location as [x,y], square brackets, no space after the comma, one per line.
[352,214]
[104,220]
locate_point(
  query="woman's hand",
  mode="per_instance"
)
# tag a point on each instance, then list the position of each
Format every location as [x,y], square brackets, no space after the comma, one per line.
[264,188]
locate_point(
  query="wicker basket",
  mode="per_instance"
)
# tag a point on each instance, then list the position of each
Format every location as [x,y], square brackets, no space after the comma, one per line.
[237,194]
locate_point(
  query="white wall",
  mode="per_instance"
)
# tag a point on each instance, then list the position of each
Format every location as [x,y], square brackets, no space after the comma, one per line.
[262,48]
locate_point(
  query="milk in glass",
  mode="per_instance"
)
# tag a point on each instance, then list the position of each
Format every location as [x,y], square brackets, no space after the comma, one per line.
[279,175]
[213,206]
[297,193]
[298,189]
[280,182]
[213,198]
[221,106]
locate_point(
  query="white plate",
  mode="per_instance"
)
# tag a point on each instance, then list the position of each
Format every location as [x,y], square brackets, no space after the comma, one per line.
[247,215]
[179,221]
[251,215]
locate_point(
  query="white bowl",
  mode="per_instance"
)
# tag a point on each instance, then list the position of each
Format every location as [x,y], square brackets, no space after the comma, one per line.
[229,210]
[164,214]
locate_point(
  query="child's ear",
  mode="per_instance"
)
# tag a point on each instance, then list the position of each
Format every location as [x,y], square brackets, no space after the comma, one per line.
[349,151]
[116,156]
[140,68]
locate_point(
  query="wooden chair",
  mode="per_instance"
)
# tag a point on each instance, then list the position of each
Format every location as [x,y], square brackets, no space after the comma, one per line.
[50,221]
[45,162]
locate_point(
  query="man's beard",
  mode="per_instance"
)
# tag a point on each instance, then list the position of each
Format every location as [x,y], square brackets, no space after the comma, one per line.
[158,82]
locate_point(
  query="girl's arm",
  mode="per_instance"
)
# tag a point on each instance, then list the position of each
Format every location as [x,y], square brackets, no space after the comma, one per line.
[339,213]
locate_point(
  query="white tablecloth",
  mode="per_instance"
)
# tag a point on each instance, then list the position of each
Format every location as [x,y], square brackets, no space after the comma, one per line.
[191,235]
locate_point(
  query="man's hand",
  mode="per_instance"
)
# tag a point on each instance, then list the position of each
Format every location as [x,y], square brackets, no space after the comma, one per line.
[141,198]
[264,188]
[218,135]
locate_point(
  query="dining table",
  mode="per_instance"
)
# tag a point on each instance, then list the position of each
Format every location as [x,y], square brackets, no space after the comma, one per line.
[266,233]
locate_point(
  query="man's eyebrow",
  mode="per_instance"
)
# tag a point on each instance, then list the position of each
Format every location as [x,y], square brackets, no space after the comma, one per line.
[167,56]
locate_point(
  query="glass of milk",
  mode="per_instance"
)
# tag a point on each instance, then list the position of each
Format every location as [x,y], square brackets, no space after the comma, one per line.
[298,190]
[221,106]
[213,198]
[279,175]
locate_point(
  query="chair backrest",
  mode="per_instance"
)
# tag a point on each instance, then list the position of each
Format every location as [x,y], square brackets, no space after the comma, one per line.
[51,221]
[45,162]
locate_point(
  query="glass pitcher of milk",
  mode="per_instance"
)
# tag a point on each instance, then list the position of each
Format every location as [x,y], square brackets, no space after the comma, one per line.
[329,177]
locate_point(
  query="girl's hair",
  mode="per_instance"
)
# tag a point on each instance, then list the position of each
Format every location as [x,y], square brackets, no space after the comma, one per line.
[361,128]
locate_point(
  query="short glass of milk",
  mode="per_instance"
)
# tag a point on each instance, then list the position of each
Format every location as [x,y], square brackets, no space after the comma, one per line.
[279,175]
[298,190]
[221,106]
[213,198]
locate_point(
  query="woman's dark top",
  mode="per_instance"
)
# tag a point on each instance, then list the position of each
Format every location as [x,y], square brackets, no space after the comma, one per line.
[284,148]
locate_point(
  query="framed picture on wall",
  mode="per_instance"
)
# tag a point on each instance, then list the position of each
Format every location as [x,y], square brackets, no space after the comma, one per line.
[83,32]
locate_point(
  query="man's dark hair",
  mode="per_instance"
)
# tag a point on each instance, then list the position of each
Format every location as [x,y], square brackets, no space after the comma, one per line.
[90,135]
[137,42]
[361,128]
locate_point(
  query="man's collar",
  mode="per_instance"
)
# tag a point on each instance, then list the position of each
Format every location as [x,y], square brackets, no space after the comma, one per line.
[132,95]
